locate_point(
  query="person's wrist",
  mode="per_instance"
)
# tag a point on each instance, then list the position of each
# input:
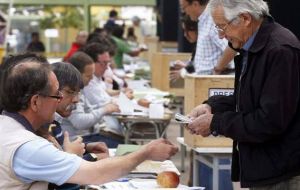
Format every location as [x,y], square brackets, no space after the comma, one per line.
[218,70]
[214,125]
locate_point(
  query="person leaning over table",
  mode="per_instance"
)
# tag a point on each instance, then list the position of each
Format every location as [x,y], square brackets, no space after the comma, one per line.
[262,117]
[180,69]
[70,82]
[85,116]
[28,161]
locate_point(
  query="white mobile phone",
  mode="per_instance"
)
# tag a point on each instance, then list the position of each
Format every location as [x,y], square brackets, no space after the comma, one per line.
[182,118]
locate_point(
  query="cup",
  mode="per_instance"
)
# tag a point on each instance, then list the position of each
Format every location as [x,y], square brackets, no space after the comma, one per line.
[156,111]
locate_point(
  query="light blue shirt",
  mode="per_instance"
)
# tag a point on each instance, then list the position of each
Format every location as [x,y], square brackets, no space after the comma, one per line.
[39,160]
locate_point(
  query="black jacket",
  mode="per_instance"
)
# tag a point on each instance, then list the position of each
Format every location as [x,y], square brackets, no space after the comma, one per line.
[263,115]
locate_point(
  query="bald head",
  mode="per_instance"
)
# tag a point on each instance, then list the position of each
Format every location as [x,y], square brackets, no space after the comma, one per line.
[82,37]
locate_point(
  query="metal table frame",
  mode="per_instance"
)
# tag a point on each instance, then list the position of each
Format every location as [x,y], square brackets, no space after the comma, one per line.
[160,125]
[209,156]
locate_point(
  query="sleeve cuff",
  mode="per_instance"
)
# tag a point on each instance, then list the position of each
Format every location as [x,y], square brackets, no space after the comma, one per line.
[215,125]
[183,72]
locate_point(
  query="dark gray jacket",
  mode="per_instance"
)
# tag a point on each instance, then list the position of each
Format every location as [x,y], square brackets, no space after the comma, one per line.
[263,115]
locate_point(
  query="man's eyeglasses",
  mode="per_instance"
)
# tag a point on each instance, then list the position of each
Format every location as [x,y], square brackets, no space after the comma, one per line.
[223,29]
[71,92]
[104,62]
[59,96]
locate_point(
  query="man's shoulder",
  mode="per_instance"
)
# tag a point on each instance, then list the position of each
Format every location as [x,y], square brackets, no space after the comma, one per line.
[281,36]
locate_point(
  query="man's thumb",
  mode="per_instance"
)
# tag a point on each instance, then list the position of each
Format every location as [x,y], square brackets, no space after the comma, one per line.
[66,137]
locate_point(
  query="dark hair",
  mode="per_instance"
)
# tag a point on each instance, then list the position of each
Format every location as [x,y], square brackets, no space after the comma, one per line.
[201,2]
[99,30]
[24,76]
[113,13]
[94,49]
[118,31]
[67,76]
[105,41]
[79,60]
[33,34]
[189,24]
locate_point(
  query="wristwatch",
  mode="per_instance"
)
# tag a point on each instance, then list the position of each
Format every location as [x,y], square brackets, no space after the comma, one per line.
[91,157]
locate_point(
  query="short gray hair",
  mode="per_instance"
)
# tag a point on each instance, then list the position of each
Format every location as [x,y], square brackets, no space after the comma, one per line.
[232,8]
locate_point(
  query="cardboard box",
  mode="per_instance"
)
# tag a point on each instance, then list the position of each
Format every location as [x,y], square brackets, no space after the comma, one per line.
[198,89]
[160,70]
[199,141]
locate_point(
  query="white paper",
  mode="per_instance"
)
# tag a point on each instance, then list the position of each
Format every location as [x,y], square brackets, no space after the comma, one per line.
[125,104]
[156,111]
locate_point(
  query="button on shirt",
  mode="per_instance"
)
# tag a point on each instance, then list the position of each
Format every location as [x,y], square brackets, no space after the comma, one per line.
[209,46]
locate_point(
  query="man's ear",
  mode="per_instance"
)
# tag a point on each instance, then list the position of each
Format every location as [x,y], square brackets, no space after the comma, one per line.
[247,19]
[34,102]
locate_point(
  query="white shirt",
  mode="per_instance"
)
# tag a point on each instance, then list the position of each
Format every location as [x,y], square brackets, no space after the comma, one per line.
[96,94]
[209,46]
[83,118]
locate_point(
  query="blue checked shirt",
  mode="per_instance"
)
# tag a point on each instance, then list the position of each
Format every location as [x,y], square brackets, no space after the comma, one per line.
[209,46]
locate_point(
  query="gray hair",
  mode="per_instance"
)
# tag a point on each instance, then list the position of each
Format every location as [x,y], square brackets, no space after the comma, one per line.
[232,8]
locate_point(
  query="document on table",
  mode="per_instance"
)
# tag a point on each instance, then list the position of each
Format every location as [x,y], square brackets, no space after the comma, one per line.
[129,107]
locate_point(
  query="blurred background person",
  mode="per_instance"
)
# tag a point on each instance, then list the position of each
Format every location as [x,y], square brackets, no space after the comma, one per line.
[111,22]
[180,68]
[80,41]
[35,45]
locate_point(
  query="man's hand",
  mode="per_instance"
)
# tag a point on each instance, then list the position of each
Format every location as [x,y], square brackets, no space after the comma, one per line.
[129,93]
[200,110]
[99,148]
[111,107]
[175,75]
[75,147]
[201,125]
[178,65]
[160,150]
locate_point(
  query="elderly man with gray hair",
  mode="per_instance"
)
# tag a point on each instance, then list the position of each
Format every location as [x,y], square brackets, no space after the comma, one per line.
[262,117]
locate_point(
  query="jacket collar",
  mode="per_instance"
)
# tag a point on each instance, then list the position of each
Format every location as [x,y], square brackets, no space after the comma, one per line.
[262,35]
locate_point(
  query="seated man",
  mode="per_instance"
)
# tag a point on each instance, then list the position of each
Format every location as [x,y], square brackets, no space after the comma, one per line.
[95,91]
[85,115]
[70,82]
[30,96]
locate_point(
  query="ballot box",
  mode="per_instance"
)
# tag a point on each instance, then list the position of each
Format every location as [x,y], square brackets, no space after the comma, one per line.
[197,89]
[160,69]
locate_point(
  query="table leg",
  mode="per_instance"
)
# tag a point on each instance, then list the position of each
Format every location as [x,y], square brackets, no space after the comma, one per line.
[195,169]
[182,157]
[215,173]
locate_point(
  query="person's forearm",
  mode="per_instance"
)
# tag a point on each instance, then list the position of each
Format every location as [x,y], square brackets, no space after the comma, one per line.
[113,92]
[224,60]
[107,169]
[82,120]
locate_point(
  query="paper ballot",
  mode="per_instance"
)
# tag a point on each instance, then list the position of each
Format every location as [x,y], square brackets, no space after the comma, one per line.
[125,104]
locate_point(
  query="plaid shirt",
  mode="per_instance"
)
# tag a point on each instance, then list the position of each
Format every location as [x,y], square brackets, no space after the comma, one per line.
[209,46]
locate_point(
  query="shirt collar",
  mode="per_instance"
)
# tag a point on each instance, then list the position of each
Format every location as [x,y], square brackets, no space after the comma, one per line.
[21,119]
[203,17]
[250,41]
[58,117]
